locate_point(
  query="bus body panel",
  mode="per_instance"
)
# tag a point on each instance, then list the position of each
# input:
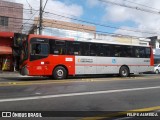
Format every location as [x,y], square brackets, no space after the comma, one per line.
[46,66]
[109,65]
[151,58]
[87,65]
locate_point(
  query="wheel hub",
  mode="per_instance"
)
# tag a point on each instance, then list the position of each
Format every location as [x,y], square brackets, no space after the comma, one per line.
[124,72]
[60,73]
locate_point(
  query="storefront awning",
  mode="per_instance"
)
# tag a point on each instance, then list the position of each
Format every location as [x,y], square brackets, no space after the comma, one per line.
[5,50]
[7,34]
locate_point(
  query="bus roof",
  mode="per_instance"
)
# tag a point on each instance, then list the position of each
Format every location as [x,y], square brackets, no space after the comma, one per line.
[49,37]
[115,43]
[91,41]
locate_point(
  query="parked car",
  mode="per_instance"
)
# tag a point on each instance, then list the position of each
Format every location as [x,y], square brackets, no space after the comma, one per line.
[157,69]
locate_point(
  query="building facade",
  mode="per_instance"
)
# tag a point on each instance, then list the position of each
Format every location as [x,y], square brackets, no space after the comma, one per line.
[65,29]
[11,16]
[6,55]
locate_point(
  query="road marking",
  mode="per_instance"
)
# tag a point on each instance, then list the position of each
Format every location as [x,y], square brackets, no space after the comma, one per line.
[141,110]
[3,84]
[77,94]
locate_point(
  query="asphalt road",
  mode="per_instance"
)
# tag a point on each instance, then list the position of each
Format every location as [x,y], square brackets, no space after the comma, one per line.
[80,98]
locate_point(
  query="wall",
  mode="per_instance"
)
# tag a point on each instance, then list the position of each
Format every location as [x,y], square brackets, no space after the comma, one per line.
[14,12]
[67,25]
[6,59]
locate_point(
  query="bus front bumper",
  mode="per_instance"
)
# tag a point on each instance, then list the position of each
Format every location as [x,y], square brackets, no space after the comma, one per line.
[24,71]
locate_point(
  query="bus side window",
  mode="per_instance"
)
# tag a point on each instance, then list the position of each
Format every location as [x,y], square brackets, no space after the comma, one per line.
[85,51]
[148,52]
[93,50]
[77,48]
[58,47]
[73,48]
[127,51]
[36,48]
[136,52]
[142,52]
[39,49]
[103,50]
[139,52]
[117,51]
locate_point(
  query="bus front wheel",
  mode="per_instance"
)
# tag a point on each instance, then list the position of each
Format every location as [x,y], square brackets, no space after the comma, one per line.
[124,71]
[59,73]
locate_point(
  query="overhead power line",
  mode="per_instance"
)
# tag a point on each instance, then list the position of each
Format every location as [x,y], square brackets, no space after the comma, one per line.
[29,4]
[142,5]
[40,17]
[101,32]
[45,5]
[93,23]
[96,31]
[131,7]
[98,24]
[29,19]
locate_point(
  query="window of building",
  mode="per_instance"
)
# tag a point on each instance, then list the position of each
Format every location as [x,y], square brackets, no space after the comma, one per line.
[3,21]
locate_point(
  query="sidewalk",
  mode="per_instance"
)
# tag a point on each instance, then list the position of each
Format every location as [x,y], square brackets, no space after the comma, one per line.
[9,74]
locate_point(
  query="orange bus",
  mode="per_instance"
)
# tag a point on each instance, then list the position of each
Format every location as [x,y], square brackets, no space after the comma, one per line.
[61,57]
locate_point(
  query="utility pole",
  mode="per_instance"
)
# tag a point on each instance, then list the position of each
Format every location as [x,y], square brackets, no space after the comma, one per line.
[40,18]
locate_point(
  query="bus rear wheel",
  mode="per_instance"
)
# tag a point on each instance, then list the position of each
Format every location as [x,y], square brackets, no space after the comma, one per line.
[124,71]
[59,73]
[157,71]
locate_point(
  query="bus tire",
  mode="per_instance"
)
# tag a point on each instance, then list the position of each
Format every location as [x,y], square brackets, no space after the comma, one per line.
[59,73]
[157,71]
[124,71]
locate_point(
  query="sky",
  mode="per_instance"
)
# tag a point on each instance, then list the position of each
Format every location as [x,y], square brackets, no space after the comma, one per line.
[127,17]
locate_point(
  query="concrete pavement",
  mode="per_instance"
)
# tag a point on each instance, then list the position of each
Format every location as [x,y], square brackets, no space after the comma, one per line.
[9,74]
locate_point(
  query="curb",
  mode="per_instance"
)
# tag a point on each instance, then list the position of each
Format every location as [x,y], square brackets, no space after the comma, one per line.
[9,74]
